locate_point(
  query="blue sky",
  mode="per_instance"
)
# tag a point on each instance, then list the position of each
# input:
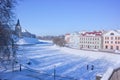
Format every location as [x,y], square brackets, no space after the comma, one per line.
[55,17]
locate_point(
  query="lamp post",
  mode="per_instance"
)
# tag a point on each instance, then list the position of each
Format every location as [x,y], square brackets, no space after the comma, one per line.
[54,72]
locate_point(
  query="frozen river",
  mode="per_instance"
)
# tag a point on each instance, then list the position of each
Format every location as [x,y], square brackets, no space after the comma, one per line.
[48,58]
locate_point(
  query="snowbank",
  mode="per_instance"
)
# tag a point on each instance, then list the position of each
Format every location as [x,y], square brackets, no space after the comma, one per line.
[48,41]
[26,40]
[107,75]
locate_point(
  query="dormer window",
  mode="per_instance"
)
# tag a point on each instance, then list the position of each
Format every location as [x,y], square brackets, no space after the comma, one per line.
[111,33]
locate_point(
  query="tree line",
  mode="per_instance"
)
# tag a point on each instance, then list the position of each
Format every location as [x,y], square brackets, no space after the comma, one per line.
[58,40]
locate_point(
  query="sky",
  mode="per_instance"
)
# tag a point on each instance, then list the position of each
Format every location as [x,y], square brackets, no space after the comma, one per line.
[57,17]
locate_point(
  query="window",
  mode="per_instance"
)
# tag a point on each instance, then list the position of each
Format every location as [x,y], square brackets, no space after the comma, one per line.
[118,42]
[111,47]
[117,47]
[105,41]
[106,47]
[111,33]
[105,38]
[118,38]
[115,38]
[111,42]
[111,38]
[115,42]
[88,46]
[95,47]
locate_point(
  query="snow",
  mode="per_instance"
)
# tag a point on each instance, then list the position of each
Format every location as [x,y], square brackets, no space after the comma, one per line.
[24,30]
[46,41]
[66,61]
[90,54]
[26,40]
[107,74]
[117,51]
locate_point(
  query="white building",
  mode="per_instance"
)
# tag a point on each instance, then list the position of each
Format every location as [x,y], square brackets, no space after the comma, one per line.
[91,40]
[74,40]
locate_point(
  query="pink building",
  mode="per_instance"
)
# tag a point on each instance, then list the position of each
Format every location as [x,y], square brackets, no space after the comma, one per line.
[111,40]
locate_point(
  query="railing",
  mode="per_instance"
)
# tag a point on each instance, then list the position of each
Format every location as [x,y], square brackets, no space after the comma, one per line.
[115,74]
[111,74]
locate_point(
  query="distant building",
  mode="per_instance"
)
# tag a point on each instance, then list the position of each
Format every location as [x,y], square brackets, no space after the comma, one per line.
[28,34]
[67,38]
[74,40]
[22,32]
[91,40]
[18,29]
[111,40]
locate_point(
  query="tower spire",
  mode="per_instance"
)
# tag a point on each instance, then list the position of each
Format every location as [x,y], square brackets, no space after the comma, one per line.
[18,23]
[18,29]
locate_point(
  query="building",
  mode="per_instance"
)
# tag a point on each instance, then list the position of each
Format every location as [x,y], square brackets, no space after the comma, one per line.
[111,40]
[67,38]
[90,40]
[18,29]
[20,32]
[74,40]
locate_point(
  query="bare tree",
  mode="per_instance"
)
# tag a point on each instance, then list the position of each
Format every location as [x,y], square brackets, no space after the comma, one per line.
[6,11]
[7,50]
[59,41]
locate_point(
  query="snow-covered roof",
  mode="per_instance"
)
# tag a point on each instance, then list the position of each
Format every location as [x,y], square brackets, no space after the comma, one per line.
[24,30]
[115,32]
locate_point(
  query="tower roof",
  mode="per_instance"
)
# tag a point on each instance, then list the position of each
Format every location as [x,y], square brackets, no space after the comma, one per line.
[18,23]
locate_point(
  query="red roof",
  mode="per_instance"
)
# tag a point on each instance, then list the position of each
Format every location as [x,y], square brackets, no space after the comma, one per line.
[99,33]
[67,34]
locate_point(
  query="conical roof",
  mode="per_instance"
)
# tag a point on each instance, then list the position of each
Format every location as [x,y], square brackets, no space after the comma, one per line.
[18,23]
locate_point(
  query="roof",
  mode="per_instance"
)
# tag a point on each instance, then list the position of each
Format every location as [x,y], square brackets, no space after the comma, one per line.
[94,33]
[18,23]
[116,33]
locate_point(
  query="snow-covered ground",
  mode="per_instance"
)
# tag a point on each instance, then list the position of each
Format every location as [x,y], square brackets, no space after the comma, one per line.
[77,64]
[26,41]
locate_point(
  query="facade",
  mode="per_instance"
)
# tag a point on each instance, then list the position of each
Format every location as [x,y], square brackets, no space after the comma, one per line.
[67,38]
[74,40]
[91,40]
[111,40]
